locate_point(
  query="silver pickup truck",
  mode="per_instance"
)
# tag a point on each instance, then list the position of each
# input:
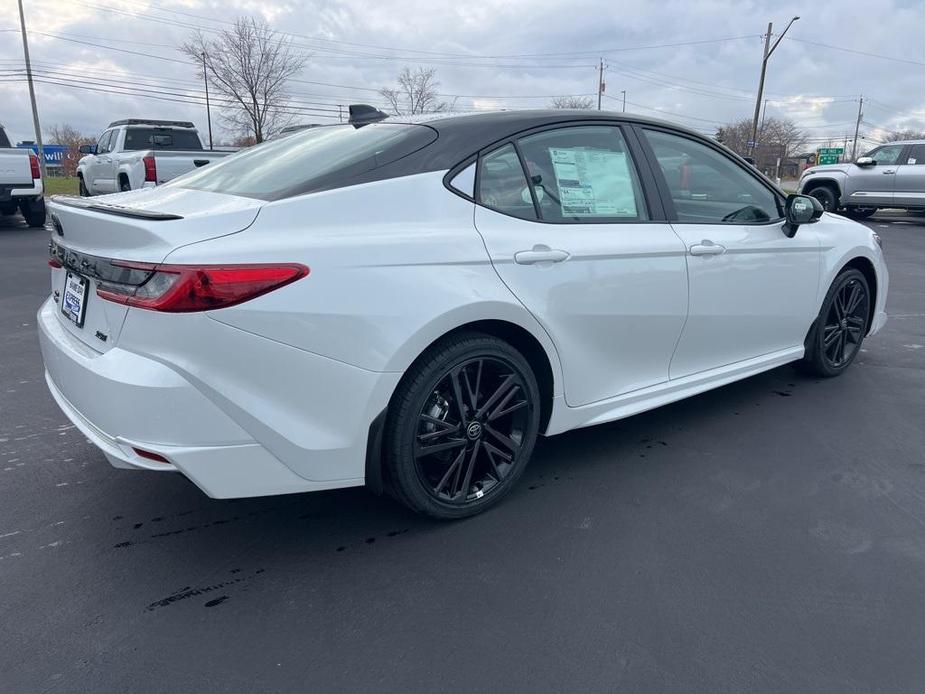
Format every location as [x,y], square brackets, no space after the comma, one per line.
[20,183]
[137,153]
[892,175]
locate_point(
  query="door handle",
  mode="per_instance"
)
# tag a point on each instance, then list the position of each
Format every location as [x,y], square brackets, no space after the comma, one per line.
[540,254]
[891,171]
[707,247]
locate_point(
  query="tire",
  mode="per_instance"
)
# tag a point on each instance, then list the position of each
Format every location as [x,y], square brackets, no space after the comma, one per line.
[480,452]
[826,196]
[82,187]
[860,212]
[837,334]
[124,185]
[34,212]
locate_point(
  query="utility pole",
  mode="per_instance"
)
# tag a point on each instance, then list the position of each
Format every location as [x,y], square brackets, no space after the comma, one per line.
[623,91]
[205,76]
[857,127]
[768,50]
[35,109]
[600,82]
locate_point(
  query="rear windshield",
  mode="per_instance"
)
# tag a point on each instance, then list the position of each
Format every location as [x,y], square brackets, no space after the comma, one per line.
[313,159]
[161,138]
[4,140]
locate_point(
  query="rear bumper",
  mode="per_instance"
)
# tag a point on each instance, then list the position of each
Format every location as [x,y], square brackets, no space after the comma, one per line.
[122,401]
[10,192]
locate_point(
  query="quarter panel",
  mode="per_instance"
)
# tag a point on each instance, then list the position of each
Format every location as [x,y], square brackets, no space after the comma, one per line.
[394,265]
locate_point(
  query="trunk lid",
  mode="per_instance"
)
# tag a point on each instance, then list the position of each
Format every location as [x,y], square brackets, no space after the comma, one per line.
[141,226]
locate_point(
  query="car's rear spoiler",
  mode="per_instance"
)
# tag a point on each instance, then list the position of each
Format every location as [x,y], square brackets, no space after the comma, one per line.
[109,208]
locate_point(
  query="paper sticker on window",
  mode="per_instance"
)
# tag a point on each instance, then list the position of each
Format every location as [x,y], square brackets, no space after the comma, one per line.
[911,160]
[593,182]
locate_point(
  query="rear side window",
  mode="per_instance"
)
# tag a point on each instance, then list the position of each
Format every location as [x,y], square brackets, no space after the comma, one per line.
[503,185]
[708,187]
[4,140]
[916,155]
[161,138]
[314,159]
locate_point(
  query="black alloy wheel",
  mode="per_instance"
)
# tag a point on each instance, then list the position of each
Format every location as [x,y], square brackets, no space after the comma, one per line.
[463,427]
[826,196]
[841,326]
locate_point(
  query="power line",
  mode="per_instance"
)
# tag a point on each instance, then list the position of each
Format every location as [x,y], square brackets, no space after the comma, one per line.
[857,52]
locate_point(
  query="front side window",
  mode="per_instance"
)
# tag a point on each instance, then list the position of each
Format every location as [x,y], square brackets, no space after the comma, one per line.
[708,187]
[583,174]
[314,159]
[916,155]
[502,184]
[886,155]
[161,139]
[104,143]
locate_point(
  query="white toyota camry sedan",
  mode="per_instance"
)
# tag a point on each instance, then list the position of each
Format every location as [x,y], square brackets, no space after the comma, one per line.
[408,305]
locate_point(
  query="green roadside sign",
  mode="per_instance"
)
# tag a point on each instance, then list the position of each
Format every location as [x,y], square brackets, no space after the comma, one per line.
[823,151]
[827,159]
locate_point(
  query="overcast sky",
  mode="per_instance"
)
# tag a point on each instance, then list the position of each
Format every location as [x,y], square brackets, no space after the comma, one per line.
[696,61]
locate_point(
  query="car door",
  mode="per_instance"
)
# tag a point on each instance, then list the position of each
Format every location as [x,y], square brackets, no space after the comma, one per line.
[753,291]
[100,166]
[587,253]
[873,184]
[909,186]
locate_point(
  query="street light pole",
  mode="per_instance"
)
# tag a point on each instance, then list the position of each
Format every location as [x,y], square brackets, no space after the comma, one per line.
[35,108]
[768,50]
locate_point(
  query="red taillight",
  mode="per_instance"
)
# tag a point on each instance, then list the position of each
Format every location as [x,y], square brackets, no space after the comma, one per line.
[36,169]
[187,288]
[55,263]
[150,169]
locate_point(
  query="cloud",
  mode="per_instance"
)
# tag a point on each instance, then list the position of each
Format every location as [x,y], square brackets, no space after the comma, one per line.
[668,56]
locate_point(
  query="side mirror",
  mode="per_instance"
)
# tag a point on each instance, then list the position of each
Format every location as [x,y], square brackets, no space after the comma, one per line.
[800,209]
[866,161]
[87,149]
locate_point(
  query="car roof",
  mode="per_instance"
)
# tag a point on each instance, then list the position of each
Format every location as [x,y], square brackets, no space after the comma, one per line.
[461,135]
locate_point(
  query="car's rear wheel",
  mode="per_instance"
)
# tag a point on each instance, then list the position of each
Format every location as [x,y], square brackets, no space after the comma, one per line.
[826,196]
[839,330]
[124,185]
[461,427]
[860,212]
[34,212]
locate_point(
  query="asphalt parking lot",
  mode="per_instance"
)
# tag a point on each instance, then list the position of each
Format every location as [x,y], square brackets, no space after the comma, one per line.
[767,536]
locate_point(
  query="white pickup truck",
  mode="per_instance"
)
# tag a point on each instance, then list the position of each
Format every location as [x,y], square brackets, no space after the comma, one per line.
[136,153]
[20,183]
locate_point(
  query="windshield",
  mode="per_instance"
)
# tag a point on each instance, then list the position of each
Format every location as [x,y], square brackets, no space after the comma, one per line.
[324,157]
[161,139]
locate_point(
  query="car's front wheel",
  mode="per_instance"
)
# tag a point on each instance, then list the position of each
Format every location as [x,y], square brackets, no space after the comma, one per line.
[462,426]
[839,330]
[82,187]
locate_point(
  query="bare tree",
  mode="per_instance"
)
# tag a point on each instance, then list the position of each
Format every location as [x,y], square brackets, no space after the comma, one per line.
[906,134]
[777,138]
[416,93]
[249,66]
[576,102]
[67,135]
